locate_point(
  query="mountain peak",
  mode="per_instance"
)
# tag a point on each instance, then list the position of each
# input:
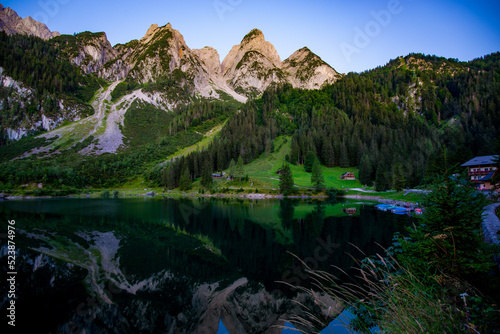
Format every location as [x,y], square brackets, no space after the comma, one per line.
[150,31]
[307,70]
[254,34]
[12,23]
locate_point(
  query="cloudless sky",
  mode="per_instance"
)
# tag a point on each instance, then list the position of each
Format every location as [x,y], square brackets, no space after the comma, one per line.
[354,35]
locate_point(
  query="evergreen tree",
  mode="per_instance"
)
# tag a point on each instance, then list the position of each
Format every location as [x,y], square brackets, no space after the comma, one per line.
[172,180]
[449,238]
[239,169]
[196,166]
[185,181]
[295,152]
[286,180]
[380,178]
[206,175]
[328,154]
[398,177]
[365,170]
[232,169]
[309,161]
[344,157]
[317,178]
[164,176]
[220,160]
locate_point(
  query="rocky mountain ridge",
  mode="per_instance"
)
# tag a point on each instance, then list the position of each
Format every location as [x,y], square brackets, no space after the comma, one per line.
[248,69]
[159,69]
[21,97]
[12,23]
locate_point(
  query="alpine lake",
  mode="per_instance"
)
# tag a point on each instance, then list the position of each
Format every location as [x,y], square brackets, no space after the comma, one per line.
[198,265]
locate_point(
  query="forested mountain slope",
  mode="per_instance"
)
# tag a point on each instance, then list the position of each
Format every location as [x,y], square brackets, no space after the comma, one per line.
[414,117]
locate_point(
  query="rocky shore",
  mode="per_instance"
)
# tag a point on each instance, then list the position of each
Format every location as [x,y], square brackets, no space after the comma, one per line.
[384,201]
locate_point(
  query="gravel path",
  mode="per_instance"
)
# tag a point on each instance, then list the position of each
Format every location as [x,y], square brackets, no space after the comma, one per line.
[491,224]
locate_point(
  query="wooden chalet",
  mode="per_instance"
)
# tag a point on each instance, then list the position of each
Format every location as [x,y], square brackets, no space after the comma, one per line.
[481,171]
[350,211]
[348,176]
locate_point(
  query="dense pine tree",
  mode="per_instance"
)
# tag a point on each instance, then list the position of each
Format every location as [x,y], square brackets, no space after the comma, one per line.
[398,178]
[381,182]
[206,175]
[328,154]
[239,170]
[185,181]
[344,157]
[232,169]
[365,170]
[286,180]
[309,161]
[317,179]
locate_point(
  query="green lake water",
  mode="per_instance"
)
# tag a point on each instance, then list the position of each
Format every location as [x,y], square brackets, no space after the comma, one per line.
[150,265]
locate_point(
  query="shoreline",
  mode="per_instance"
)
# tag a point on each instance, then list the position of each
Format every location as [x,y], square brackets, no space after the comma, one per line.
[220,195]
[166,195]
[383,200]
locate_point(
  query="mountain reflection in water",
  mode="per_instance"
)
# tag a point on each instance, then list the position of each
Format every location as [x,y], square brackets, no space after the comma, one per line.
[179,266]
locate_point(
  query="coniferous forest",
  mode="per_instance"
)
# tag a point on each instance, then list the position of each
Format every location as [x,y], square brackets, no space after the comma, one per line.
[370,120]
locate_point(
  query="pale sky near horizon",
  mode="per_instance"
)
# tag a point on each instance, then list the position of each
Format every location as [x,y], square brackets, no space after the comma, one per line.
[349,35]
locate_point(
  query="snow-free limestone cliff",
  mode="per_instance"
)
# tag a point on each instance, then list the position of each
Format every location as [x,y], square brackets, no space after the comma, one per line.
[12,23]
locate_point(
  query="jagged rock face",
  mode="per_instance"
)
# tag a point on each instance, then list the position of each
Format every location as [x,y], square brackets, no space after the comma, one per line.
[306,70]
[22,95]
[163,59]
[94,54]
[162,54]
[210,60]
[12,23]
[253,41]
[159,52]
[252,65]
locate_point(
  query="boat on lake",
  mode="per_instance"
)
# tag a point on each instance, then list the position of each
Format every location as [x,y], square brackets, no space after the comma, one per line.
[401,211]
[394,209]
[382,207]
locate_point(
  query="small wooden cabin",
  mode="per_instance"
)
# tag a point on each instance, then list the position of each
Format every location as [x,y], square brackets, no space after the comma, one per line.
[348,176]
[350,211]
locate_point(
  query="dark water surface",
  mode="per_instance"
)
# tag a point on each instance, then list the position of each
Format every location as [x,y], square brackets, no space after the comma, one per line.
[145,265]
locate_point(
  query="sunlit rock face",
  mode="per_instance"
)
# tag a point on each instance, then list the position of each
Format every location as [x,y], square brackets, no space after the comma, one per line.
[12,23]
[306,70]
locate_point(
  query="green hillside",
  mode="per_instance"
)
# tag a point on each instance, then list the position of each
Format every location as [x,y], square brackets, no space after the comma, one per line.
[263,169]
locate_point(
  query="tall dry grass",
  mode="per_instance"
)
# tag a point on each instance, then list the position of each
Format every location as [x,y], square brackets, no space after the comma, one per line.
[385,296]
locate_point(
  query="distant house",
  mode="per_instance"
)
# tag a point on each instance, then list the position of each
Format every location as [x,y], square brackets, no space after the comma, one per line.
[350,211]
[348,176]
[218,175]
[481,171]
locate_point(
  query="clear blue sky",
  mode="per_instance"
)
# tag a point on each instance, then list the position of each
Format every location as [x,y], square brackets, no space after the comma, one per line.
[349,35]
